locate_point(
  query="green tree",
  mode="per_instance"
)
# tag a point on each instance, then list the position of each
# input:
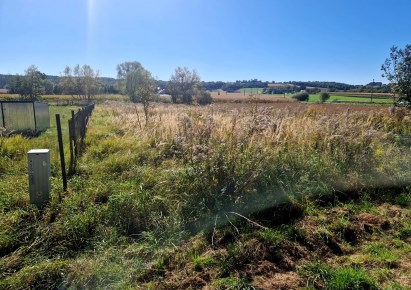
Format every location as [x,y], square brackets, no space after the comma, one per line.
[67,82]
[139,84]
[48,87]
[90,82]
[34,82]
[397,70]
[183,84]
[123,69]
[82,81]
[31,85]
[324,97]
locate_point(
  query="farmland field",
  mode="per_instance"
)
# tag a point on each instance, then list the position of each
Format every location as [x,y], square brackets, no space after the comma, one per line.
[339,97]
[349,98]
[241,195]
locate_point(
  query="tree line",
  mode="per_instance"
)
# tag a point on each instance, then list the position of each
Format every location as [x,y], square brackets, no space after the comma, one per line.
[82,82]
[54,85]
[185,85]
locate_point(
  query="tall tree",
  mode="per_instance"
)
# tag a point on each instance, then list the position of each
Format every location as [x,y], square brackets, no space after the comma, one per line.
[67,82]
[82,81]
[183,84]
[139,84]
[35,82]
[397,69]
[123,69]
[31,85]
[90,81]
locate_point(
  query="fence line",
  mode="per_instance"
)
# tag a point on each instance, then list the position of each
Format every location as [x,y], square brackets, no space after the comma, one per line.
[77,132]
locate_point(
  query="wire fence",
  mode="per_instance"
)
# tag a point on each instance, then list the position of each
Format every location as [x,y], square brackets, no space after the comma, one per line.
[77,132]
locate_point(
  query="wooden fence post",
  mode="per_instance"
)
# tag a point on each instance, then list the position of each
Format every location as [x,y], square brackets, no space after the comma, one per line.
[61,149]
[73,126]
[71,167]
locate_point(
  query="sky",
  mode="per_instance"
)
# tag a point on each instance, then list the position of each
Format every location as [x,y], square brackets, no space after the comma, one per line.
[223,40]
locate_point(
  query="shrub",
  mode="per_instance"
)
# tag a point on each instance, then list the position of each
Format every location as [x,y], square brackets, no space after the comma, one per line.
[204,98]
[302,97]
[324,97]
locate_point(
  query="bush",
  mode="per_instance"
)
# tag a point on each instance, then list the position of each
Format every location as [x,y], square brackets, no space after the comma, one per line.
[204,98]
[302,97]
[324,97]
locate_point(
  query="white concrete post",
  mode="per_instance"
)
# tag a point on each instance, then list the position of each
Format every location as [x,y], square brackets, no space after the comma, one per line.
[39,176]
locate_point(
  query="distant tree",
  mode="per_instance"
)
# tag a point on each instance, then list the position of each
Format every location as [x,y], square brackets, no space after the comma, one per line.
[48,87]
[123,69]
[89,81]
[16,84]
[34,82]
[182,85]
[397,69]
[82,81]
[139,84]
[204,98]
[324,97]
[302,97]
[58,90]
[31,85]
[78,84]
[68,82]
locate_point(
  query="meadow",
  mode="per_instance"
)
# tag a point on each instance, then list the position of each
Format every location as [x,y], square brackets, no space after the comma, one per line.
[225,196]
[245,95]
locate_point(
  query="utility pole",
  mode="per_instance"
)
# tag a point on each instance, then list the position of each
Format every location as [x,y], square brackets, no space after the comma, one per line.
[372,89]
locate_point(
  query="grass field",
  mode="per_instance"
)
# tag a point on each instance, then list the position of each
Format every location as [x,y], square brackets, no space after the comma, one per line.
[228,196]
[249,91]
[344,98]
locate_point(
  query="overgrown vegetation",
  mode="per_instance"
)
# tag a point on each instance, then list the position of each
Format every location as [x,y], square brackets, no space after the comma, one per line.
[302,97]
[324,97]
[209,196]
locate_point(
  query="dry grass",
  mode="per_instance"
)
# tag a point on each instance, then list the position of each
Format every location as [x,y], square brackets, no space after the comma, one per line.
[241,98]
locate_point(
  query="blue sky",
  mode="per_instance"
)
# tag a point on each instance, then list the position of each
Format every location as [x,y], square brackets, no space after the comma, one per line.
[228,40]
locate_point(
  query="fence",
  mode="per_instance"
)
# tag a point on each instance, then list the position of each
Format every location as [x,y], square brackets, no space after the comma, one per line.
[24,116]
[77,132]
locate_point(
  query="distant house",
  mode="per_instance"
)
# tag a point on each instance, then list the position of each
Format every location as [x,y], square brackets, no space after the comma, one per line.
[4,91]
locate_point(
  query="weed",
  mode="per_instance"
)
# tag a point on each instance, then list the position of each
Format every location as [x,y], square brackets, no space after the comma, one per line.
[404,233]
[202,262]
[272,237]
[350,278]
[403,199]
[380,252]
[233,283]
[322,275]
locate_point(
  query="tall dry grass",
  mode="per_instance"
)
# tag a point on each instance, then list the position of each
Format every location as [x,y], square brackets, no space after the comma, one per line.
[209,161]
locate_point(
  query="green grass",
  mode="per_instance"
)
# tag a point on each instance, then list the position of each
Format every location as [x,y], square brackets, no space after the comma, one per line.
[232,283]
[248,91]
[339,278]
[382,253]
[315,98]
[337,98]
